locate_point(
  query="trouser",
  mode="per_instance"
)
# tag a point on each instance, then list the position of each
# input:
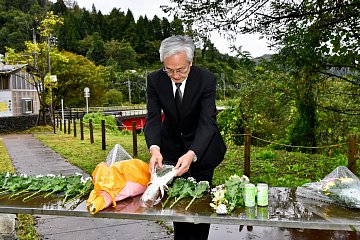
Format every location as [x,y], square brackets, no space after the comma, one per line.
[191,231]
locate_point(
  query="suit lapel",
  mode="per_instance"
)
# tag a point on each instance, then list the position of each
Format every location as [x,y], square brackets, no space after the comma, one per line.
[168,95]
[189,92]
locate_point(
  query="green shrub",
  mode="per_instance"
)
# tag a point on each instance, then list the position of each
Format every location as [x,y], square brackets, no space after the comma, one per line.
[265,154]
[110,121]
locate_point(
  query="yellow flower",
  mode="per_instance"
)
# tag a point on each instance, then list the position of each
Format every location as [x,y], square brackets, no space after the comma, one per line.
[328,185]
[346,180]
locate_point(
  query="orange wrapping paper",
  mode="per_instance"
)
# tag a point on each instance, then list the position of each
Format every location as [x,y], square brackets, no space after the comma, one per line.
[110,181]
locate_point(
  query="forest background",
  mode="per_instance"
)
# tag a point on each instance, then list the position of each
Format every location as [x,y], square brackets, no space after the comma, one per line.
[305,95]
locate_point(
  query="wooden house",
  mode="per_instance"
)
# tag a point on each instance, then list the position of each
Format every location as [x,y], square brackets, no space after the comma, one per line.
[17,96]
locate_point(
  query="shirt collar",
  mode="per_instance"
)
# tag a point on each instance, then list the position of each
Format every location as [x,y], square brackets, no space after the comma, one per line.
[182,87]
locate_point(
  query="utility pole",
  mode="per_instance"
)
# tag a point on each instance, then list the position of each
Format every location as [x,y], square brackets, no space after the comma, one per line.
[223,79]
[129,84]
[129,88]
[35,53]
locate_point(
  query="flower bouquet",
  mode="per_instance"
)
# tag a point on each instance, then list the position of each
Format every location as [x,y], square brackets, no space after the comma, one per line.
[116,179]
[186,188]
[70,188]
[341,187]
[228,196]
[158,184]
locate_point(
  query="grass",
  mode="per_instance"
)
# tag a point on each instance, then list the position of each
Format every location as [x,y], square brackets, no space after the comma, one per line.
[86,155]
[278,167]
[275,167]
[26,222]
[6,164]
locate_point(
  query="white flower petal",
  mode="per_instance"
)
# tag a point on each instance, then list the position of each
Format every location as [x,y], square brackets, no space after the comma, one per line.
[221,209]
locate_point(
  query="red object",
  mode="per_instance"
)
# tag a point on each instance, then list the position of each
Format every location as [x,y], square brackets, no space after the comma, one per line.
[139,119]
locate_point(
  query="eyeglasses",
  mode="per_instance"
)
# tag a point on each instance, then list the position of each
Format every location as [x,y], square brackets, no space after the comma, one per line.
[180,71]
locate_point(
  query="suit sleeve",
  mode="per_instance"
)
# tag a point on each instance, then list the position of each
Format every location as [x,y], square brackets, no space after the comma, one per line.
[207,126]
[153,117]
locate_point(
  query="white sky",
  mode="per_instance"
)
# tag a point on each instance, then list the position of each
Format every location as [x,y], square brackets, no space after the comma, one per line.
[250,43]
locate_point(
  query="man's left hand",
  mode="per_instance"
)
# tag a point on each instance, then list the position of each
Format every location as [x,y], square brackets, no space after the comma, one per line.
[184,162]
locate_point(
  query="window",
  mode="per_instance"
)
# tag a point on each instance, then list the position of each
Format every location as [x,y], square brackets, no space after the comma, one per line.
[27,105]
[4,82]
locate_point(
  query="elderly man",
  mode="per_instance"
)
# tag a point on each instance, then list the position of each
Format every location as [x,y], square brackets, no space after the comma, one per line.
[188,137]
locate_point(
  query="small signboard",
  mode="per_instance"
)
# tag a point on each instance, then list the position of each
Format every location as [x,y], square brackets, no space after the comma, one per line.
[5,104]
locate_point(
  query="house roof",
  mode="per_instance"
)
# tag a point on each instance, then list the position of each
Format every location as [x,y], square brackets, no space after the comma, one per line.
[7,69]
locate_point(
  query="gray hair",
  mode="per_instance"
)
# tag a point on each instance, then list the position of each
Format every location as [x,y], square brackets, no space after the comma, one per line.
[176,44]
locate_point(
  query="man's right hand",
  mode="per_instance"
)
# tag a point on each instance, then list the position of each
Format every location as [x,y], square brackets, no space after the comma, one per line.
[156,159]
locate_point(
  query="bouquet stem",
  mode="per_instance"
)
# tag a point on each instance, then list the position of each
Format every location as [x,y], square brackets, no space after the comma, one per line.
[191,202]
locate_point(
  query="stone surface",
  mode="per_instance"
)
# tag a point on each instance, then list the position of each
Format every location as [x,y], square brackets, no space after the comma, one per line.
[7,226]
[30,156]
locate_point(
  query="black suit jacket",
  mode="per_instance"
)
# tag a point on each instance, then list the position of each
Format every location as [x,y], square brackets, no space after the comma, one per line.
[195,129]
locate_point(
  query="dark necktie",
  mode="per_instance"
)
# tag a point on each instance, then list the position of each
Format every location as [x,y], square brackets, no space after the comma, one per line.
[178,96]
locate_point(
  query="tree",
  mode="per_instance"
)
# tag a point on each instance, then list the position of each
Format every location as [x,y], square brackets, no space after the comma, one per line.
[333,23]
[92,46]
[68,35]
[59,8]
[312,37]
[166,28]
[114,98]
[177,27]
[116,21]
[145,33]
[74,73]
[14,29]
[130,32]
[37,56]
[122,53]
[158,31]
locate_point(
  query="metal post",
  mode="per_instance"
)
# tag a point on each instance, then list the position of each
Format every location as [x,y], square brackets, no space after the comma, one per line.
[129,88]
[352,153]
[247,152]
[87,95]
[223,78]
[87,105]
[62,110]
[74,127]
[103,139]
[81,129]
[129,84]
[53,109]
[134,138]
[91,131]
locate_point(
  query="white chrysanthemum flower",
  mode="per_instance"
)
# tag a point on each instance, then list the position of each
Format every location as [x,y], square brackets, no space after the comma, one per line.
[39,176]
[85,180]
[221,209]
[351,195]
[24,175]
[219,196]
[346,180]
[191,179]
[244,178]
[78,174]
[51,175]
[206,182]
[217,188]
[234,177]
